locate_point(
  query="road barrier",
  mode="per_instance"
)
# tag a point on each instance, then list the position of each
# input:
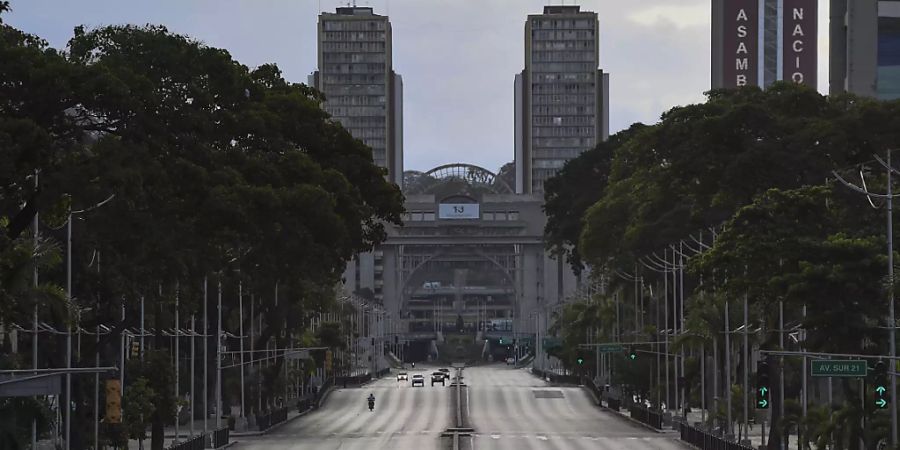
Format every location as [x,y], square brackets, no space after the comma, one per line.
[706,441]
[194,443]
[271,418]
[555,377]
[219,438]
[646,415]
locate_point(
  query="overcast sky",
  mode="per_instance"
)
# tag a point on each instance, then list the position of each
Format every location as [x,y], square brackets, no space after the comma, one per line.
[458,58]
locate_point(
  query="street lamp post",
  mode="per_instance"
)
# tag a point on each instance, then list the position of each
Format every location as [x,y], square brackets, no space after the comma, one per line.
[68,405]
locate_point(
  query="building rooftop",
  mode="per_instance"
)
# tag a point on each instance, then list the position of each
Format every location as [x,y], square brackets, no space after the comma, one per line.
[355,11]
[559,9]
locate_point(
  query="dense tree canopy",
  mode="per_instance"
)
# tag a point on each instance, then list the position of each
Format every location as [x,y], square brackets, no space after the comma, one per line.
[205,170]
[568,195]
[702,162]
[749,176]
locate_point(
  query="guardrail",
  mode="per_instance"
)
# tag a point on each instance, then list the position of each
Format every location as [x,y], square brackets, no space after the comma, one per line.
[194,443]
[707,441]
[646,415]
[219,438]
[274,417]
[555,377]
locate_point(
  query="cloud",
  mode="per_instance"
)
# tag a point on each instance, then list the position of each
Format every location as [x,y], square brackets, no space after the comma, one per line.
[682,16]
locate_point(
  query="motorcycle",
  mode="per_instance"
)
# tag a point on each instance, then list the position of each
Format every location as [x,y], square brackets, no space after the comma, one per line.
[371,403]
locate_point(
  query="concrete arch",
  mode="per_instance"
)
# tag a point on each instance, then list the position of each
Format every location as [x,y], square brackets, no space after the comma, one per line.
[407,288]
[469,173]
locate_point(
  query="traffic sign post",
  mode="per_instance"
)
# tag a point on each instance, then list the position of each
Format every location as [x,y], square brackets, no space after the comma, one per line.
[838,368]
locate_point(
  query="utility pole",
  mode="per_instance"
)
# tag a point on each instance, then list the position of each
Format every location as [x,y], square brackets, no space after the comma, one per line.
[193,382]
[177,372]
[205,357]
[34,335]
[728,370]
[219,358]
[241,331]
[892,324]
[746,366]
[68,405]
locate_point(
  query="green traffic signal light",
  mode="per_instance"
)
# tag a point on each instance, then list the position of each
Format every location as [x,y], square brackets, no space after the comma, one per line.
[580,361]
[880,385]
[762,385]
[632,354]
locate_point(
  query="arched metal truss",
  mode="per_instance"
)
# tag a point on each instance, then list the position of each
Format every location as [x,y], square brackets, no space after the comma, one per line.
[471,174]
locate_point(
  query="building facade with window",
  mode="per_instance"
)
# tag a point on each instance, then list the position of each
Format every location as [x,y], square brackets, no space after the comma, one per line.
[758,42]
[470,251]
[361,89]
[865,48]
[561,98]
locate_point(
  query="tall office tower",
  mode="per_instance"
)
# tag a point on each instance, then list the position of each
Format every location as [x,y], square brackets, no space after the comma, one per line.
[757,42]
[561,98]
[361,89]
[865,48]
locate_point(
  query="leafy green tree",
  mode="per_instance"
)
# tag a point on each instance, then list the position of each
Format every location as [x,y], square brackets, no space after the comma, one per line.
[507,174]
[702,162]
[568,195]
[139,408]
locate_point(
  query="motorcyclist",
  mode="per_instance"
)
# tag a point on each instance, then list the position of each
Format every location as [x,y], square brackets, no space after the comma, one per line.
[371,400]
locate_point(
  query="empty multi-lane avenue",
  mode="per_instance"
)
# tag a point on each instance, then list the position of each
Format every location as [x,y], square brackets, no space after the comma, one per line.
[508,409]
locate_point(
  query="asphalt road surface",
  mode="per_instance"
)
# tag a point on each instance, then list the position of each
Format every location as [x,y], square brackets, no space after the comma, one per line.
[405,418]
[512,409]
[508,408]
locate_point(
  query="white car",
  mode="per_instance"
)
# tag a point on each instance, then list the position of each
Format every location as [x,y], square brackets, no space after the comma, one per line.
[510,360]
[402,376]
[418,379]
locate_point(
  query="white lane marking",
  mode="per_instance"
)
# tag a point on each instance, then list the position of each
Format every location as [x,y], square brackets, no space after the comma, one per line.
[543,438]
[496,436]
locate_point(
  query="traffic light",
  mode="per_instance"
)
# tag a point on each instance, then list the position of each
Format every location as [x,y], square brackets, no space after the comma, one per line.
[632,354]
[113,401]
[880,385]
[579,358]
[762,385]
[501,340]
[135,349]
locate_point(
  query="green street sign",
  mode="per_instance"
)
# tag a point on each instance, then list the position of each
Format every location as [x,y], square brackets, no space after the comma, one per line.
[614,348]
[838,368]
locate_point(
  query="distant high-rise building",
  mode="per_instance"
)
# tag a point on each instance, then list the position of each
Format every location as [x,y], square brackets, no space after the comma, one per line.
[758,42]
[361,89]
[865,48]
[561,98]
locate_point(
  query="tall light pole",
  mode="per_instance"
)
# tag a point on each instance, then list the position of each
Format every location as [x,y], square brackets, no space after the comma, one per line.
[892,325]
[205,355]
[219,358]
[68,405]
